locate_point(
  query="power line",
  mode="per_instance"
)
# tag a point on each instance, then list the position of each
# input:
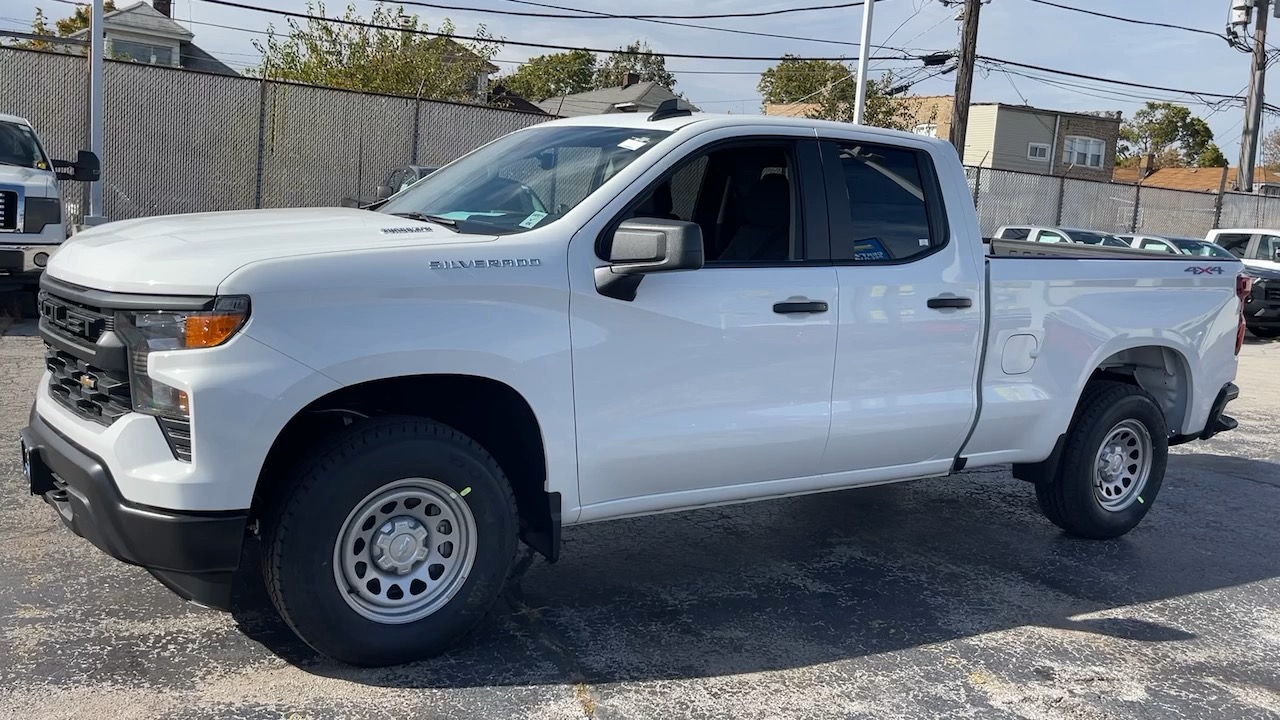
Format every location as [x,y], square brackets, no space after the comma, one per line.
[711,17]
[544,46]
[1135,21]
[1107,80]
[597,15]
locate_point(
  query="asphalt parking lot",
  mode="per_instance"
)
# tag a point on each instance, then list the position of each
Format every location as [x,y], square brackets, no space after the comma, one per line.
[941,598]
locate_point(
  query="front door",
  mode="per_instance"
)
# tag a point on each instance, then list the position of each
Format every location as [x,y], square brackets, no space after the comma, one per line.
[709,381]
[910,312]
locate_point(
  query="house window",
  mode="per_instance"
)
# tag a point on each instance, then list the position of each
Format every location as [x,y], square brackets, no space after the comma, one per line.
[1038,152]
[142,52]
[927,129]
[1085,151]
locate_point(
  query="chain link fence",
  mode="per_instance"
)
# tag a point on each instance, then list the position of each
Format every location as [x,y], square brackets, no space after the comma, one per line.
[178,141]
[1005,197]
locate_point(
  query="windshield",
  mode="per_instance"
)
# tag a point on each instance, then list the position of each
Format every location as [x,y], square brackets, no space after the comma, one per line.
[525,180]
[1202,249]
[1096,238]
[18,146]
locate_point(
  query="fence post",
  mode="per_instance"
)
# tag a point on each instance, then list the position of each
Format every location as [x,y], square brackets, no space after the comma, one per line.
[1217,205]
[1137,203]
[417,118]
[977,184]
[1062,192]
[262,142]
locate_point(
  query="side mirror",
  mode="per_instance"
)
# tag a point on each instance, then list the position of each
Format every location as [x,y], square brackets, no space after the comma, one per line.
[647,245]
[383,192]
[86,168]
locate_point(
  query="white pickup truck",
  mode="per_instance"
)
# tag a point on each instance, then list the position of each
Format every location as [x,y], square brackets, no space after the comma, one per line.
[593,318]
[32,217]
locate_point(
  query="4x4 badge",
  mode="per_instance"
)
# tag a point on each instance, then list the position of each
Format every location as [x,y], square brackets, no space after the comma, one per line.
[1200,270]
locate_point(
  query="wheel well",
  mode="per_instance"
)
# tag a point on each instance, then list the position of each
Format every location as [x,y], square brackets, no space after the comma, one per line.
[1161,371]
[489,412]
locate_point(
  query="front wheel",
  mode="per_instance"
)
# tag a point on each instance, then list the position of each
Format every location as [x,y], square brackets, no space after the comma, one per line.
[390,544]
[1112,464]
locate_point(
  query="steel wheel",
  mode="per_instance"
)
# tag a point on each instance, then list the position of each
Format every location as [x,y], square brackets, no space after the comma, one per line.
[1122,465]
[405,550]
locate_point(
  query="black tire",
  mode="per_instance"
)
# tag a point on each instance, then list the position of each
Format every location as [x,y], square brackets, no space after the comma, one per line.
[1069,501]
[301,526]
[1265,332]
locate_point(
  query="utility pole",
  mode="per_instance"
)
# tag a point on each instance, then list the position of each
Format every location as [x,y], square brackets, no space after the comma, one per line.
[964,78]
[1253,106]
[96,38]
[864,52]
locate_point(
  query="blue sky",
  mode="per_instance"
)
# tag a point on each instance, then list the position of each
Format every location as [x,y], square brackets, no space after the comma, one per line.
[1018,30]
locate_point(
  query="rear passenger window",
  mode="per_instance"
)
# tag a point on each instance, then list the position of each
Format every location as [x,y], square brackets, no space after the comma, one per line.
[884,212]
[1234,243]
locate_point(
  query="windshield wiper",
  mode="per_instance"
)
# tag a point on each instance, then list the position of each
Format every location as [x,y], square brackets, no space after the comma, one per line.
[433,219]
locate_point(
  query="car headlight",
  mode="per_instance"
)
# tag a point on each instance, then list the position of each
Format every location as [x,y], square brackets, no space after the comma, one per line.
[159,331]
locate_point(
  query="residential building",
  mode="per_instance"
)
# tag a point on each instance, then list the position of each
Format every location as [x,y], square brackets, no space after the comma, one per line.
[146,34]
[631,96]
[1208,179]
[1014,137]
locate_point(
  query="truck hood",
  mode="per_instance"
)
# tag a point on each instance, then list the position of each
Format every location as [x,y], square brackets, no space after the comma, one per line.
[193,254]
[35,183]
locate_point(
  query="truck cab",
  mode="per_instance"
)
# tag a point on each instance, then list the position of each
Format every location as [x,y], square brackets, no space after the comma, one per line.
[33,218]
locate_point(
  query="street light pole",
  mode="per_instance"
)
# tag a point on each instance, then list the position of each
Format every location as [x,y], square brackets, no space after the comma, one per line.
[864,51]
[96,35]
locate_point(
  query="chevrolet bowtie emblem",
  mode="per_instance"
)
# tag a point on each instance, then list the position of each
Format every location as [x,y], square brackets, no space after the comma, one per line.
[87,382]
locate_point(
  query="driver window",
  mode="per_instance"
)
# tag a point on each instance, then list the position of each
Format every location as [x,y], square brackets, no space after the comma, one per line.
[1267,246]
[741,196]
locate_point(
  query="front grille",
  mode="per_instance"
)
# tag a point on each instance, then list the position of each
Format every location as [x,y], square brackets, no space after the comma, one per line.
[8,211]
[88,391]
[178,434]
[75,322]
[1272,292]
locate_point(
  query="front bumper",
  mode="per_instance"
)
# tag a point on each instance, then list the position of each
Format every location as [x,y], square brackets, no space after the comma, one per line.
[194,554]
[1262,307]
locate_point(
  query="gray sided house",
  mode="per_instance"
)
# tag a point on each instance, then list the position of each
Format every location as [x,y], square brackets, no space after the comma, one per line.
[141,33]
[631,96]
[1050,142]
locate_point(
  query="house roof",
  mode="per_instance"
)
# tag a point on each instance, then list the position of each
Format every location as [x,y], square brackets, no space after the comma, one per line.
[141,18]
[646,96]
[456,48]
[1183,178]
[501,96]
[1046,111]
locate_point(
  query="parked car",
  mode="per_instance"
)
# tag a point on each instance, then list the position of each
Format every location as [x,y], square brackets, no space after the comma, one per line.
[708,309]
[1059,235]
[1259,249]
[32,216]
[1176,245]
[397,179]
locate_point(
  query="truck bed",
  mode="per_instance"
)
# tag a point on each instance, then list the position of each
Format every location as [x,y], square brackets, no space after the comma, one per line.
[1001,247]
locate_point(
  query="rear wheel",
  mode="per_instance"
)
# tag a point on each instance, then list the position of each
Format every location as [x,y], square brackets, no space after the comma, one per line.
[1265,332]
[1112,465]
[392,543]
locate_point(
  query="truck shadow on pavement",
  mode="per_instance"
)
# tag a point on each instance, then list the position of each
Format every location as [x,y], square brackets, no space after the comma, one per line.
[822,578]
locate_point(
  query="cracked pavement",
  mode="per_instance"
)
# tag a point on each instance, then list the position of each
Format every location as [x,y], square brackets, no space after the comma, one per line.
[949,597]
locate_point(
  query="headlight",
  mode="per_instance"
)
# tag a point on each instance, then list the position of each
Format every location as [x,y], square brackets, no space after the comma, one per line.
[39,212]
[148,332]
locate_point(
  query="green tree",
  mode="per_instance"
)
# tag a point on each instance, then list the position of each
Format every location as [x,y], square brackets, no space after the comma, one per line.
[827,90]
[638,58]
[77,21]
[1170,133]
[552,75]
[373,59]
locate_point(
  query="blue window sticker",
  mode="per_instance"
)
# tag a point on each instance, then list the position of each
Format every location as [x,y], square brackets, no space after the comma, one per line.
[870,249]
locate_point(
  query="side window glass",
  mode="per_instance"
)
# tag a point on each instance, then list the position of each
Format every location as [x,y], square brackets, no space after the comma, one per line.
[885,199]
[1267,246]
[1235,244]
[743,199]
[1049,237]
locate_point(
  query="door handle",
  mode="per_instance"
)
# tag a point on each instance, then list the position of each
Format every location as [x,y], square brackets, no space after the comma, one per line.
[802,306]
[940,303]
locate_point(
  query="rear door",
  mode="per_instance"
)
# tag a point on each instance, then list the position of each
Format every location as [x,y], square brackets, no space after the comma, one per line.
[904,392]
